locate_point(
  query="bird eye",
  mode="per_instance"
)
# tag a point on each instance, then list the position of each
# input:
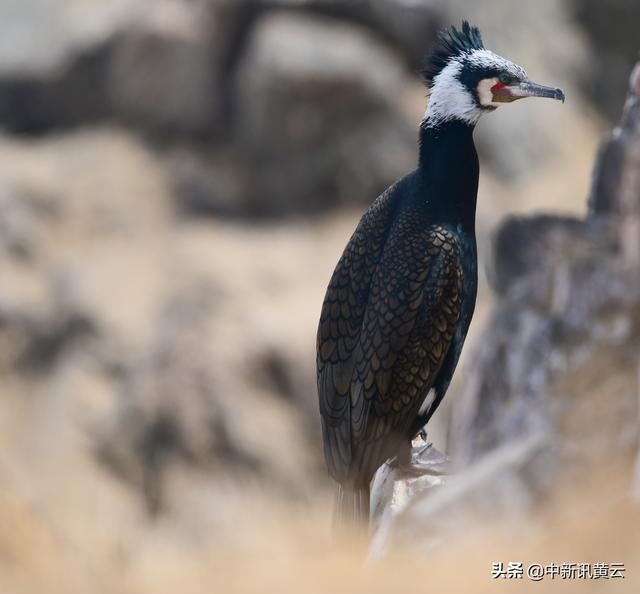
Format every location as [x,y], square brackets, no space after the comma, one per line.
[504,78]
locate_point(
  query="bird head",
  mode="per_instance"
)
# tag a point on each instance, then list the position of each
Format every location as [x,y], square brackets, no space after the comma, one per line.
[466,80]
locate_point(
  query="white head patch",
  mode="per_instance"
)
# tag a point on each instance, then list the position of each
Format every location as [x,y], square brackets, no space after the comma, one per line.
[450,99]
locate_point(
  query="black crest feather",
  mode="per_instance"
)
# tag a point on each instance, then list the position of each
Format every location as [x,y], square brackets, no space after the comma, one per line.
[450,43]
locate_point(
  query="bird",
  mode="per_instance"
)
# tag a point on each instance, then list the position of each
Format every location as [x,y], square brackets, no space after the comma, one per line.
[399,302]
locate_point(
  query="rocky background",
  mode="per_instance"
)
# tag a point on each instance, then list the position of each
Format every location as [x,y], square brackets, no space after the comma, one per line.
[177,180]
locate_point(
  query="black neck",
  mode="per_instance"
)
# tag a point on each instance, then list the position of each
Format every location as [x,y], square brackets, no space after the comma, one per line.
[449,172]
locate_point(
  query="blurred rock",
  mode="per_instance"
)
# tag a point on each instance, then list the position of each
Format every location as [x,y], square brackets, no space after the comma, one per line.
[548,324]
[71,96]
[149,345]
[53,67]
[611,29]
[162,70]
[405,24]
[615,176]
[617,181]
[434,510]
[332,129]
[42,37]
[328,130]
[319,125]
[526,244]
[394,487]
[208,183]
[166,69]
[163,75]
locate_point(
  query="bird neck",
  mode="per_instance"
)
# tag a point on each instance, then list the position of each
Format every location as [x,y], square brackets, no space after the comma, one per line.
[449,172]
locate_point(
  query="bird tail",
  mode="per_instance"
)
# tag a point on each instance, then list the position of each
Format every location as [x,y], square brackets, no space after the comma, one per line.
[351,509]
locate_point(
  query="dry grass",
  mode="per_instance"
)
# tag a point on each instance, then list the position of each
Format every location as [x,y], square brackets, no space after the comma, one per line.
[278,549]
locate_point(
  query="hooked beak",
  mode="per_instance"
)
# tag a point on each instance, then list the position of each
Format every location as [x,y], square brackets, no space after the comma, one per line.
[520,90]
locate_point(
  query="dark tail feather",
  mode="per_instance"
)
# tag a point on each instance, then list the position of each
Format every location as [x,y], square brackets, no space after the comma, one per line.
[352,507]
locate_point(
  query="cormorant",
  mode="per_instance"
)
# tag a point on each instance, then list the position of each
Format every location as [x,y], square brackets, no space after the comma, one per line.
[400,300]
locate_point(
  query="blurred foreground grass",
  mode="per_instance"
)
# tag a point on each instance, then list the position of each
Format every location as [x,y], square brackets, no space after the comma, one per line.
[277,548]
